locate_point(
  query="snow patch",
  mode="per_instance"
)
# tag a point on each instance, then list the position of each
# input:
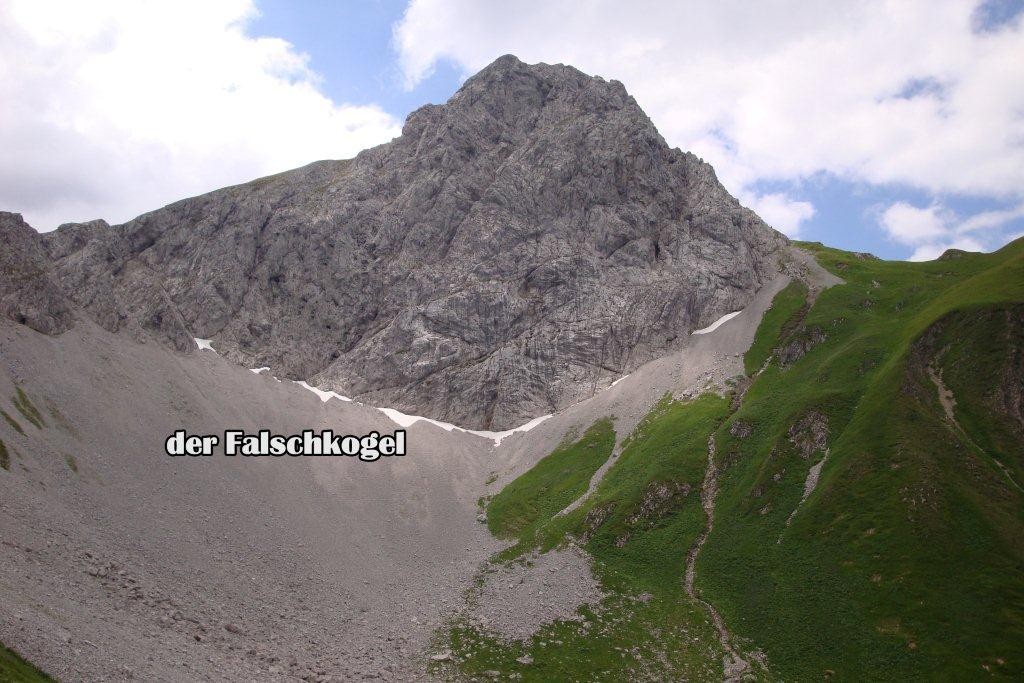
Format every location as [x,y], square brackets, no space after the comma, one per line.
[205,344]
[499,436]
[324,395]
[617,381]
[259,371]
[718,323]
[404,420]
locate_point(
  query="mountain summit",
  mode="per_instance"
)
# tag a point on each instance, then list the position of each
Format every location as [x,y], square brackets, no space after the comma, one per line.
[515,248]
[850,443]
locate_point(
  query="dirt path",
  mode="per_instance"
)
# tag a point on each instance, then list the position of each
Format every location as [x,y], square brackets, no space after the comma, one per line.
[735,666]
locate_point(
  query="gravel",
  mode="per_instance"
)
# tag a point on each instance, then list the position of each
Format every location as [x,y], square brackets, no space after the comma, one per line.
[131,564]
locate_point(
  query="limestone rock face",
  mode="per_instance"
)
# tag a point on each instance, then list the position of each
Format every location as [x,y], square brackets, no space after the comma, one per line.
[514,249]
[28,295]
[100,268]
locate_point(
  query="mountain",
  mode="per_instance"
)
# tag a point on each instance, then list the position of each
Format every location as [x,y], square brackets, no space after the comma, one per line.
[528,241]
[852,509]
[871,520]
[827,481]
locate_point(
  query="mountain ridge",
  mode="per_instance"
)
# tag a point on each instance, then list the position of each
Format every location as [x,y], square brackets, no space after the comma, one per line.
[827,482]
[512,251]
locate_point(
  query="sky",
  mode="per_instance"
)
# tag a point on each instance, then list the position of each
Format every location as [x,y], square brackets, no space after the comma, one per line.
[894,127]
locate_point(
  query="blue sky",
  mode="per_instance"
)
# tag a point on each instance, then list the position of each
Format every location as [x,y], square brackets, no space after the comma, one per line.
[350,45]
[894,128]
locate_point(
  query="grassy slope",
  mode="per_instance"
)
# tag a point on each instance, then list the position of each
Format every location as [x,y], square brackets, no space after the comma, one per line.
[973,366]
[14,669]
[785,306]
[550,485]
[667,452]
[908,560]
[652,492]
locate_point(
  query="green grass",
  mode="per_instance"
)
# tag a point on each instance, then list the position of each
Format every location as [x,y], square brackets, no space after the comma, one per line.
[553,483]
[622,640]
[785,310]
[638,526]
[646,512]
[973,362]
[907,562]
[26,408]
[14,669]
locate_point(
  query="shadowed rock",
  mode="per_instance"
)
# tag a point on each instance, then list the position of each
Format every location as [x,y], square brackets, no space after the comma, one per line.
[28,295]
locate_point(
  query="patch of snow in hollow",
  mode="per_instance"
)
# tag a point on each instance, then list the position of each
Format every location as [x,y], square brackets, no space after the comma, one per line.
[404,420]
[205,344]
[324,395]
[500,436]
[617,381]
[260,371]
[718,323]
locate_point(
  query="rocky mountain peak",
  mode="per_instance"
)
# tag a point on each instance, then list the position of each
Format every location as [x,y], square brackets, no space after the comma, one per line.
[512,251]
[498,109]
[508,99]
[511,90]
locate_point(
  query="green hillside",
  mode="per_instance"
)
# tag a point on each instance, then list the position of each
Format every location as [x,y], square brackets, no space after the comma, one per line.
[554,482]
[907,561]
[904,562]
[639,526]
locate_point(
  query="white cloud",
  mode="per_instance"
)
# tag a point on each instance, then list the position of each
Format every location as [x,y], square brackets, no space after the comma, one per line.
[991,219]
[875,91]
[779,211]
[115,107]
[911,225]
[933,229]
[931,251]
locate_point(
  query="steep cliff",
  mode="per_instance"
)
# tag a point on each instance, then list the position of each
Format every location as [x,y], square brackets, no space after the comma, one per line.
[512,249]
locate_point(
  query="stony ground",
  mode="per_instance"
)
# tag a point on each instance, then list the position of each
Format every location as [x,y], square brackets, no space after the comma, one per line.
[137,564]
[517,597]
[119,562]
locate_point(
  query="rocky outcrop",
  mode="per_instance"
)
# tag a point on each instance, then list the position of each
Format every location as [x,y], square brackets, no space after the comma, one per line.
[28,295]
[798,346]
[810,434]
[741,429]
[98,266]
[515,247]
